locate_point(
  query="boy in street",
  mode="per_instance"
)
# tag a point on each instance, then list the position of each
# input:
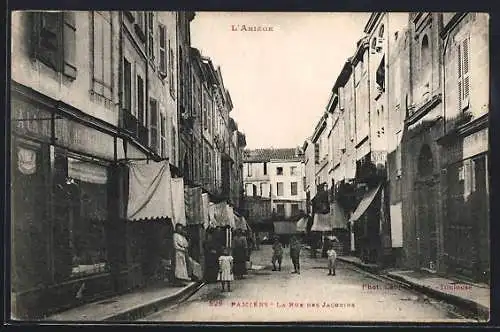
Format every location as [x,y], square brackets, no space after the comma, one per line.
[332,260]
[277,253]
[295,247]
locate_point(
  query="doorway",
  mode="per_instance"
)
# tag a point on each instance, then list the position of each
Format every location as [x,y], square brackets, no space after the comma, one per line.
[426,216]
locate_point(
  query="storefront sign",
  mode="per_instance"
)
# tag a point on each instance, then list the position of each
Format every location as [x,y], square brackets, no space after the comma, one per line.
[29,119]
[78,137]
[87,171]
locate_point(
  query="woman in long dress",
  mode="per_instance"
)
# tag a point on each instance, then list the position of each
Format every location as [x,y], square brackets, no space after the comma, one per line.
[211,257]
[226,269]
[240,248]
[181,246]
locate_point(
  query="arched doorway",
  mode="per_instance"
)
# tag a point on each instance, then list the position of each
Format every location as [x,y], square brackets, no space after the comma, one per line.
[426,210]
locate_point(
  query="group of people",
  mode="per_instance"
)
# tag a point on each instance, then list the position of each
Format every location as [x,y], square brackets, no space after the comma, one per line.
[295,248]
[223,263]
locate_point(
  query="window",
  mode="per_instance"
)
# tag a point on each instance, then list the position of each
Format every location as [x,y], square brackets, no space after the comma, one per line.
[316,153]
[140,100]
[381,31]
[154,124]
[265,168]
[55,41]
[140,25]
[293,170]
[163,48]
[304,182]
[249,169]
[425,53]
[163,136]
[295,209]
[151,33]
[463,73]
[254,187]
[101,53]
[279,170]
[248,189]
[127,85]
[204,106]
[293,189]
[174,144]
[279,189]
[381,75]
[280,209]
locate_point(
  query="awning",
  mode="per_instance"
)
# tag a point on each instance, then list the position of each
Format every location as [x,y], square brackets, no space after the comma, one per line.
[222,215]
[150,190]
[193,205]
[322,222]
[230,216]
[338,217]
[285,227]
[87,172]
[178,201]
[302,225]
[212,221]
[364,204]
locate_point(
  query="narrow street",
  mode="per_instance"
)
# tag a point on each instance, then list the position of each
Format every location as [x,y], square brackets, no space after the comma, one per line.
[267,296]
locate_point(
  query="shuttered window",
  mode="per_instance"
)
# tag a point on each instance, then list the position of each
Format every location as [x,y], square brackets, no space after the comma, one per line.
[101,53]
[163,48]
[163,136]
[127,85]
[153,110]
[171,71]
[54,35]
[140,100]
[463,73]
[151,32]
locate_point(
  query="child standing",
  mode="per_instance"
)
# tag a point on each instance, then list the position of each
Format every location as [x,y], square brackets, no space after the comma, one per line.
[332,260]
[277,253]
[226,269]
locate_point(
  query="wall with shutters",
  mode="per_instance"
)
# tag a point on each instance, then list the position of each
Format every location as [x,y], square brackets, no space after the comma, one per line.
[70,78]
[474,27]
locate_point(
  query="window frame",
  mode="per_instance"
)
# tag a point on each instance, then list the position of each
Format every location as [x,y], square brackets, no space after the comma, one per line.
[99,83]
[463,75]
[296,188]
[278,189]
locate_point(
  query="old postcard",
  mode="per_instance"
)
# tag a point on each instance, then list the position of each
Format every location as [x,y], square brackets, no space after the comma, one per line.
[249,167]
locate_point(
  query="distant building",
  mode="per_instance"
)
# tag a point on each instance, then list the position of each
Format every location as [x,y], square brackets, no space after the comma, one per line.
[274,179]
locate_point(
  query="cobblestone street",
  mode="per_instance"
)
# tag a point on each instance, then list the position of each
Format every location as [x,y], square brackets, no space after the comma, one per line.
[270,296]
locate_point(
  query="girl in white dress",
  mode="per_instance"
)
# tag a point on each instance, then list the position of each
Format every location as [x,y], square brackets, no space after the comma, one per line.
[226,269]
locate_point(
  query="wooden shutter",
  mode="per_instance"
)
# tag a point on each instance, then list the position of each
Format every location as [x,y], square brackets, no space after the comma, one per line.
[465,72]
[69,44]
[154,124]
[162,49]
[127,85]
[459,67]
[163,139]
[47,38]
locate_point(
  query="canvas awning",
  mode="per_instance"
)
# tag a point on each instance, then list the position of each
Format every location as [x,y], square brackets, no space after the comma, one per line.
[212,221]
[302,225]
[338,217]
[150,191]
[179,208]
[230,216]
[285,227]
[364,204]
[322,222]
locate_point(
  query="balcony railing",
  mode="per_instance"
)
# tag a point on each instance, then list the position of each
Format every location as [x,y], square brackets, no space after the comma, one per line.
[135,128]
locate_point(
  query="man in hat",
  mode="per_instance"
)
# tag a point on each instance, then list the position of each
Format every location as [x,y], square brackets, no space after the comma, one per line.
[277,253]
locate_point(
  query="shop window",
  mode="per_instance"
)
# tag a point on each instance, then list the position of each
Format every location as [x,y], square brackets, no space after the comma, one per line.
[87,187]
[54,43]
[101,53]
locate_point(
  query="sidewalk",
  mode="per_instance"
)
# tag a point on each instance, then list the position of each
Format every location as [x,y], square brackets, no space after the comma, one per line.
[471,297]
[128,307]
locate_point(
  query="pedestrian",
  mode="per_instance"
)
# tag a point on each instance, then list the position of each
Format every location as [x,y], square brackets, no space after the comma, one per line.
[226,269]
[295,247]
[332,260]
[240,248]
[181,246]
[277,253]
[211,256]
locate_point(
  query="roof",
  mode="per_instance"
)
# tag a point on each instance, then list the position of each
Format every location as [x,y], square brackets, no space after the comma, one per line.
[268,154]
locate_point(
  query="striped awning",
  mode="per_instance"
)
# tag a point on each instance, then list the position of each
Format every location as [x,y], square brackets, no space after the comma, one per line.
[302,225]
[364,204]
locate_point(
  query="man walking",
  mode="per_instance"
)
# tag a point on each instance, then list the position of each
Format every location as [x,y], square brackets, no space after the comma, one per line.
[277,253]
[295,247]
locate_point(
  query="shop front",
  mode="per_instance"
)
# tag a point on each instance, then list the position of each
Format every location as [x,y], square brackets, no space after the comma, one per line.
[63,208]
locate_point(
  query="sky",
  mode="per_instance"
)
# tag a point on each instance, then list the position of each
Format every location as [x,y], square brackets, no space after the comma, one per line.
[280,80]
